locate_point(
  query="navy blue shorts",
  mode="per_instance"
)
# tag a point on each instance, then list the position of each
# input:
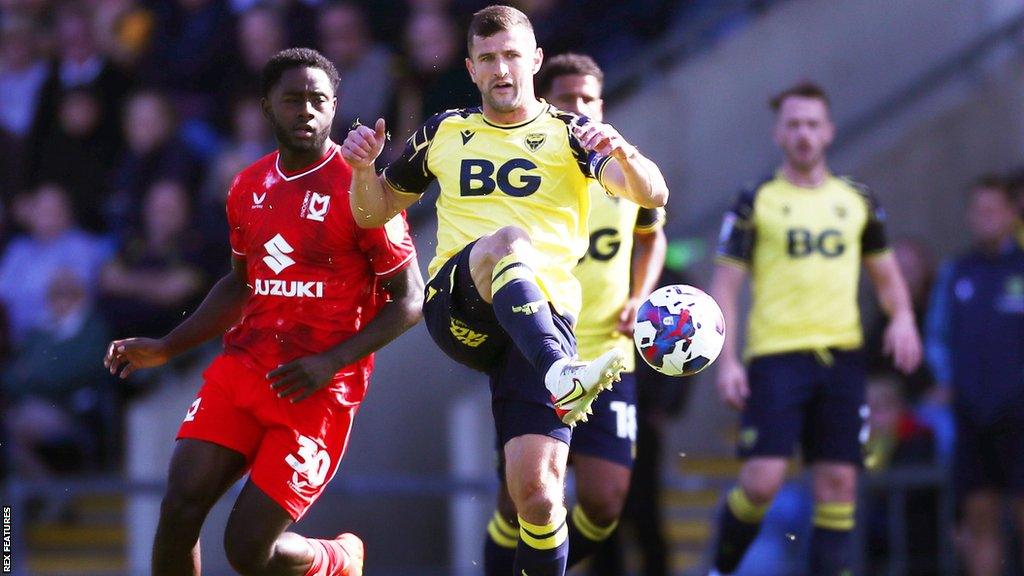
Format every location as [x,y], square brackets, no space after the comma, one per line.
[989,457]
[464,326]
[797,397]
[609,434]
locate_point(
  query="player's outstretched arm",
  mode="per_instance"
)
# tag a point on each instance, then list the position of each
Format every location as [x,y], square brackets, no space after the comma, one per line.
[647,261]
[629,174]
[219,311]
[304,376]
[901,340]
[373,201]
[731,379]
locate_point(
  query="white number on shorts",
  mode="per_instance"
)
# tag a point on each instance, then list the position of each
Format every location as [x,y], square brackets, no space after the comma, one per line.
[192,410]
[311,462]
[625,419]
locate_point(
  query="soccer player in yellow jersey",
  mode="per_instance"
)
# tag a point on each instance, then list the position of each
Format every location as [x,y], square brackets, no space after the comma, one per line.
[620,268]
[802,237]
[514,177]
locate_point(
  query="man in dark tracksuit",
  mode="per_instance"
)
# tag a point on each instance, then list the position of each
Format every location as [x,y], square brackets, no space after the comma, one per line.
[976,348]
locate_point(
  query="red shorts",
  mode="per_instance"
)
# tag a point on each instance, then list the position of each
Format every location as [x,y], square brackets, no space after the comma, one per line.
[292,450]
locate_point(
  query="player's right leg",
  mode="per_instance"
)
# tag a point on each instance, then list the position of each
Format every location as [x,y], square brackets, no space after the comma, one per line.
[746,504]
[216,443]
[780,387]
[501,265]
[200,473]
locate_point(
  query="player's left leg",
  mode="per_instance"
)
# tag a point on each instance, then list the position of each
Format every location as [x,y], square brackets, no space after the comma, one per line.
[601,488]
[835,489]
[833,445]
[256,542]
[602,455]
[297,457]
[501,265]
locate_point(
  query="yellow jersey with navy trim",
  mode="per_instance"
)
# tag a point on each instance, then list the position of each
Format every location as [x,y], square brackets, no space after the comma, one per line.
[605,271]
[534,175]
[803,247]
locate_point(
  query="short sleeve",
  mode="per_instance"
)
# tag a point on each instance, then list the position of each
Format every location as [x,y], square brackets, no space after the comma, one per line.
[409,172]
[388,248]
[649,220]
[736,237]
[873,239]
[235,229]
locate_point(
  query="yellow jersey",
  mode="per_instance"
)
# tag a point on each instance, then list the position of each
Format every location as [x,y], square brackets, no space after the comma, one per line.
[803,247]
[534,175]
[605,271]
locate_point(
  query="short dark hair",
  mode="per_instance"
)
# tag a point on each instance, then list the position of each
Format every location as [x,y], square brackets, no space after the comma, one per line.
[494,19]
[992,182]
[568,64]
[805,89]
[295,58]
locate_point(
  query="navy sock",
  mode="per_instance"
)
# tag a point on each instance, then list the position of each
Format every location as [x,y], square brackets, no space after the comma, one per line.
[585,537]
[500,546]
[542,550]
[738,525]
[523,311]
[832,539]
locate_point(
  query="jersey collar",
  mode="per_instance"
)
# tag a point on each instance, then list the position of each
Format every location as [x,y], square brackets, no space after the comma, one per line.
[543,111]
[308,169]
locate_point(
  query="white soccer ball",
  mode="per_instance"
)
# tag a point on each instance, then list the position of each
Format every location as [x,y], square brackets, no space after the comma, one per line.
[679,330]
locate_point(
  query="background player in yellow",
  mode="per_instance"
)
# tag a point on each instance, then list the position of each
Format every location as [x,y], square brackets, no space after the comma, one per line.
[620,268]
[802,236]
[511,225]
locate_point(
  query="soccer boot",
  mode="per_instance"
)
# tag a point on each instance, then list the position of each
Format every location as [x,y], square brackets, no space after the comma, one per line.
[580,382]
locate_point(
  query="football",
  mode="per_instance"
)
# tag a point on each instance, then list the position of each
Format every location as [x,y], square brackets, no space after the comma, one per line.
[679,330]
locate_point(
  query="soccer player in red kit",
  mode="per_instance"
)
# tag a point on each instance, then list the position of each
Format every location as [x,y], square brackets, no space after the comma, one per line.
[310,297]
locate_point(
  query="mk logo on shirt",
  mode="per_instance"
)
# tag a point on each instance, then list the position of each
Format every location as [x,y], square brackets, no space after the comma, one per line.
[314,206]
[277,254]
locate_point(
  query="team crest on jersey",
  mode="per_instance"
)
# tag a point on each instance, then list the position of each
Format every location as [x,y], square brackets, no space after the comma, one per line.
[314,206]
[535,140]
[841,211]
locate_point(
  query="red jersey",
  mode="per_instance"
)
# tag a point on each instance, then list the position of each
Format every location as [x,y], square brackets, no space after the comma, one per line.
[315,275]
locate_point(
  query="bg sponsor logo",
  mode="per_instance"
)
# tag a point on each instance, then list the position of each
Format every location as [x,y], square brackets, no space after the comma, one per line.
[289,288]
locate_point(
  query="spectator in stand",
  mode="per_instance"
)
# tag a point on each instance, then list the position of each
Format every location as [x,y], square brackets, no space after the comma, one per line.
[975,330]
[31,261]
[163,269]
[260,35]
[154,152]
[898,439]
[434,77]
[27,86]
[191,52]
[82,64]
[367,86]
[49,402]
[77,154]
[124,29]
[251,139]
